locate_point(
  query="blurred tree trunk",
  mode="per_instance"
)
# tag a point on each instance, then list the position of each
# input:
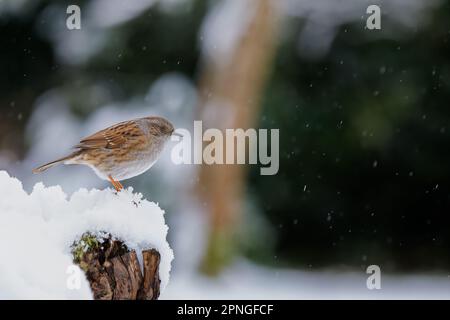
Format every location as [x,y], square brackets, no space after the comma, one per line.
[230,98]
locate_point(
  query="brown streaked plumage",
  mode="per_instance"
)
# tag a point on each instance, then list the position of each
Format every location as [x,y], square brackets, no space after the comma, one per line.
[121,151]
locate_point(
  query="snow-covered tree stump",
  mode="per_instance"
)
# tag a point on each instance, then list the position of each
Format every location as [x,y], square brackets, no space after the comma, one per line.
[114,271]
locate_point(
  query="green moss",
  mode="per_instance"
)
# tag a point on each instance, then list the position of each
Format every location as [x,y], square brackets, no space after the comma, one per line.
[87,243]
[93,250]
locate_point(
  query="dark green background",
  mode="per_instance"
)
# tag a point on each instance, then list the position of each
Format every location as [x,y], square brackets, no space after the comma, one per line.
[365,128]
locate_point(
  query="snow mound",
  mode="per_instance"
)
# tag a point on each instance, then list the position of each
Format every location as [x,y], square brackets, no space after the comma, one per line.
[37,231]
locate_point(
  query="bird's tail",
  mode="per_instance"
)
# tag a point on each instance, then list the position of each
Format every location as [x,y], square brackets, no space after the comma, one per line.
[53,163]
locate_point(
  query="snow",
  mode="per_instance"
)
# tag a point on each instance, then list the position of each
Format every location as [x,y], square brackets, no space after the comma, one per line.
[244,280]
[38,229]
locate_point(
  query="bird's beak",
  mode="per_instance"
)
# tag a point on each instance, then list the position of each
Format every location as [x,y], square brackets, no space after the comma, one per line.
[177,134]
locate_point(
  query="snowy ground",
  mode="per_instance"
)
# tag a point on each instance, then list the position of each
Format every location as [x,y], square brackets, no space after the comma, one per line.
[248,281]
[38,229]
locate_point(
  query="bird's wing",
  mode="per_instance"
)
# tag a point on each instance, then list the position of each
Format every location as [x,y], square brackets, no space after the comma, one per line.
[113,137]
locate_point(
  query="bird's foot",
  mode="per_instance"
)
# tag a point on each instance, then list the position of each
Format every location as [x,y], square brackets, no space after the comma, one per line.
[116,184]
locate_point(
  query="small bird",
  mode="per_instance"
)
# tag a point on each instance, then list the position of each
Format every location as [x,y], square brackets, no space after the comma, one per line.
[121,151]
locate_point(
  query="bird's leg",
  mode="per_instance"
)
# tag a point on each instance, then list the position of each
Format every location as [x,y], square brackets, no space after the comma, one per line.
[113,182]
[116,184]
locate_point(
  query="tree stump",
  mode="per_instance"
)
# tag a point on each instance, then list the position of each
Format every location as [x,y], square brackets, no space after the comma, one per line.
[114,272]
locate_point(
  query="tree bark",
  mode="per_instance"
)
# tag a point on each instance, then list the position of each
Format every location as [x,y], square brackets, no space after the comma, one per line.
[150,284]
[114,272]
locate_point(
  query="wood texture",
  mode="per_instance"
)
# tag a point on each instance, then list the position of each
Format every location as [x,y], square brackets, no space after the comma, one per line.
[114,272]
[150,287]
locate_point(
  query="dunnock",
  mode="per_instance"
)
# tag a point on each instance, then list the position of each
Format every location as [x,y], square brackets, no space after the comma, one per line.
[121,151]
